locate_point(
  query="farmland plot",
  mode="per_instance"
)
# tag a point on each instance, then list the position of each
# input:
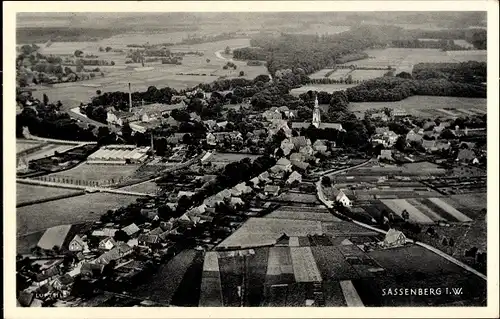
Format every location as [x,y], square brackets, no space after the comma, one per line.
[332,264]
[363,75]
[23,145]
[304,265]
[450,210]
[231,273]
[302,216]
[28,193]
[279,267]
[256,268]
[468,55]
[321,87]
[340,74]
[211,291]
[400,205]
[95,172]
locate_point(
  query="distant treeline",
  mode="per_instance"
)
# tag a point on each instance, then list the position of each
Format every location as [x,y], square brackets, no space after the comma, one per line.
[466,72]
[389,89]
[65,34]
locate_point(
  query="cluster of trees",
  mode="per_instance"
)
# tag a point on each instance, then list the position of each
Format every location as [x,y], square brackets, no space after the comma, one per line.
[388,88]
[466,72]
[312,53]
[119,100]
[209,38]
[230,65]
[66,34]
[352,57]
[45,120]
[93,62]
[107,49]
[252,54]
[171,60]
[254,63]
[476,37]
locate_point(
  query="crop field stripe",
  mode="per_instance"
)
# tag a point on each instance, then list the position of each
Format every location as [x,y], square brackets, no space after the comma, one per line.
[450,210]
[211,262]
[447,216]
[415,214]
[479,111]
[350,294]
[304,265]
[294,242]
[332,264]
[466,112]
[256,267]
[231,277]
[424,209]
[398,207]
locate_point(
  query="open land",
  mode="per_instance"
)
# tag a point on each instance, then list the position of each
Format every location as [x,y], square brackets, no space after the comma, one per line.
[428,106]
[28,193]
[194,69]
[98,173]
[83,208]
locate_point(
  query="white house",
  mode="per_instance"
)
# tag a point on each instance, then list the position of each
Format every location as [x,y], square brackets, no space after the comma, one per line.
[341,197]
[107,244]
[394,238]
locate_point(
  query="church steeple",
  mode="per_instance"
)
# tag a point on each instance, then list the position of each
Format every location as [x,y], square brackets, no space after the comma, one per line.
[316,120]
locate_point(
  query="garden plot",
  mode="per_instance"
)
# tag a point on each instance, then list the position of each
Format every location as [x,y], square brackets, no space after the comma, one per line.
[340,74]
[304,265]
[210,290]
[468,55]
[450,210]
[279,266]
[320,74]
[302,216]
[24,145]
[363,75]
[400,205]
[96,172]
[265,231]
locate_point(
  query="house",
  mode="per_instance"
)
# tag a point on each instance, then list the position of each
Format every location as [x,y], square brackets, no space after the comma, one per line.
[300,141]
[255,181]
[234,201]
[119,251]
[380,116]
[335,126]
[398,113]
[307,151]
[466,155]
[107,243]
[414,136]
[22,164]
[156,111]
[211,139]
[185,193]
[287,146]
[210,124]
[222,125]
[272,114]
[91,269]
[282,165]
[77,244]
[175,138]
[271,190]
[149,213]
[104,232]
[394,238]
[341,197]
[62,282]
[54,236]
[385,155]
[428,144]
[319,146]
[142,127]
[299,164]
[442,125]
[131,229]
[156,231]
[294,177]
[120,118]
[133,242]
[170,121]
[148,240]
[264,177]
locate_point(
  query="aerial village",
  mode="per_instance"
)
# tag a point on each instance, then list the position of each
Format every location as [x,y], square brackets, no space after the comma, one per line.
[246,192]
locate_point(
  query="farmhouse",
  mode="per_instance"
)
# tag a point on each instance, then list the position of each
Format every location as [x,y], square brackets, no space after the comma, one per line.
[77,244]
[155,111]
[107,244]
[271,190]
[142,127]
[105,232]
[386,155]
[414,136]
[119,154]
[119,251]
[394,238]
[341,197]
[120,118]
[131,229]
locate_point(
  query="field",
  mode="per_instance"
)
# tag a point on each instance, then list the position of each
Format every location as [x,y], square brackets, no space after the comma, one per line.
[321,87]
[302,198]
[161,75]
[147,188]
[464,56]
[164,283]
[23,145]
[226,158]
[404,59]
[47,150]
[428,106]
[28,193]
[363,75]
[97,173]
[265,231]
[323,217]
[211,291]
[86,207]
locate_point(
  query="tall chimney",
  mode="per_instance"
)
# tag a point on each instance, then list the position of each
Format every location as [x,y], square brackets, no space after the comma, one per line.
[129,98]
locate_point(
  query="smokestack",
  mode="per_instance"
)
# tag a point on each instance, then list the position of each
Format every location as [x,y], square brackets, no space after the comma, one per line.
[129,98]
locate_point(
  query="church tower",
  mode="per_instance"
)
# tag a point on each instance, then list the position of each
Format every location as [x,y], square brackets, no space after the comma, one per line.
[316,120]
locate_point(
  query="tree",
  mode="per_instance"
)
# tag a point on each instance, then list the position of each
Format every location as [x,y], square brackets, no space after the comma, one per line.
[400,144]
[121,235]
[227,50]
[405,214]
[326,181]
[242,73]
[108,49]
[78,53]
[447,134]
[127,132]
[101,49]
[45,99]
[208,60]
